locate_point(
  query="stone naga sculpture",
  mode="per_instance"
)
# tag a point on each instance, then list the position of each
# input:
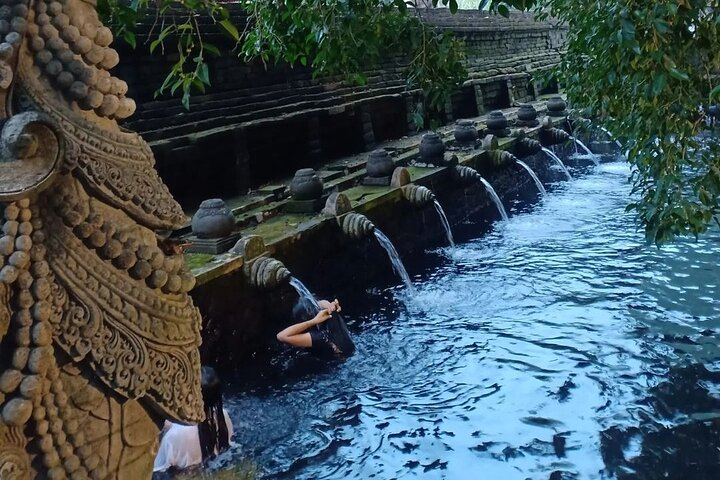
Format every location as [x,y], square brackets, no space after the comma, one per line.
[98,335]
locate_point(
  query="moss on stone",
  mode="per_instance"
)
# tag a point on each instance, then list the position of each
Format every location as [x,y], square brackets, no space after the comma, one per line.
[197,260]
[245,470]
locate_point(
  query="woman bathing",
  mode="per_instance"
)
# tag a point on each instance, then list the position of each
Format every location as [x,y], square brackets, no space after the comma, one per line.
[182,447]
[324,332]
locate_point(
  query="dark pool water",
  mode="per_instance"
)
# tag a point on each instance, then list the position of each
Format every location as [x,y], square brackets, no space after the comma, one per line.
[558,346]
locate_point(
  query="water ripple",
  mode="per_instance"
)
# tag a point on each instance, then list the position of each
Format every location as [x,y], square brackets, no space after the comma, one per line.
[558,346]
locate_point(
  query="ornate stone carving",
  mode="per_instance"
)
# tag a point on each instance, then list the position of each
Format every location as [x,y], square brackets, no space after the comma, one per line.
[98,334]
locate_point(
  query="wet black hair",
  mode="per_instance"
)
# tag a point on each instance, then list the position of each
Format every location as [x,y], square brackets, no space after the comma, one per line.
[213,431]
[303,311]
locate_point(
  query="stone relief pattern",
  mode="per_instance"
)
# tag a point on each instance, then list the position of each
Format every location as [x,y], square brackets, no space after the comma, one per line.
[98,336]
[125,177]
[124,329]
[14,462]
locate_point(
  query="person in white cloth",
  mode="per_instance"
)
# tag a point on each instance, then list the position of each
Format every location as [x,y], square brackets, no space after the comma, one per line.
[182,446]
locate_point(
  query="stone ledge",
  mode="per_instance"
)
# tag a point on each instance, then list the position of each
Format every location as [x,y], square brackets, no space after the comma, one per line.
[279,231]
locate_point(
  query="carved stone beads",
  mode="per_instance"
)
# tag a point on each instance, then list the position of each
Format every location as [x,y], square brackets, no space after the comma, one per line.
[76,59]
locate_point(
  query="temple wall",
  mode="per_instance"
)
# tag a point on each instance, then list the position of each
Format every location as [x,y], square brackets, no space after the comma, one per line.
[257,124]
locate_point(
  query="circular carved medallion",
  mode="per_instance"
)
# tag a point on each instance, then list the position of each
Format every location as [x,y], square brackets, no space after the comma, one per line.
[14,463]
[29,155]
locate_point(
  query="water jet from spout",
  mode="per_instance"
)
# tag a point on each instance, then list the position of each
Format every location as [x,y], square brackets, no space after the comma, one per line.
[495,198]
[557,160]
[394,258]
[612,137]
[304,293]
[446,224]
[533,175]
[583,146]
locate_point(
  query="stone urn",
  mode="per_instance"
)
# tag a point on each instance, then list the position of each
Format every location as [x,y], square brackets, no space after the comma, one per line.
[465,132]
[432,149]
[496,121]
[556,106]
[379,164]
[527,113]
[213,220]
[306,185]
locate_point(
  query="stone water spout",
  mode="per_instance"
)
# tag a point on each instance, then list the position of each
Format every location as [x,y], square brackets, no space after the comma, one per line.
[356,225]
[266,273]
[500,158]
[260,270]
[418,195]
[549,135]
[612,137]
[99,336]
[466,176]
[525,146]
[713,113]
[421,196]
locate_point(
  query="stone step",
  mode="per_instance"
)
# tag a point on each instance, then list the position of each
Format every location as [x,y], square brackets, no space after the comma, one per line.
[183,129]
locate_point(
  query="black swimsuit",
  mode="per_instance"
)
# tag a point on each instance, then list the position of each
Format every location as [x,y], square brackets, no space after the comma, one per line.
[321,345]
[331,339]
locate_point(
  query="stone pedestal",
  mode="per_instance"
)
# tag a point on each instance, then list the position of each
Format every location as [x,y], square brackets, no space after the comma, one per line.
[213,246]
[305,206]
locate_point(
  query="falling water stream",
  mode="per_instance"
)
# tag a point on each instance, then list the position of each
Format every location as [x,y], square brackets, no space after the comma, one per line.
[612,137]
[446,224]
[560,163]
[304,293]
[583,146]
[397,263]
[533,175]
[494,196]
[559,347]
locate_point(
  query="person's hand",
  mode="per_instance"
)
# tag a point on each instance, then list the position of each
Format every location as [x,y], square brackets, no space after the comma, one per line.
[322,316]
[336,306]
[332,307]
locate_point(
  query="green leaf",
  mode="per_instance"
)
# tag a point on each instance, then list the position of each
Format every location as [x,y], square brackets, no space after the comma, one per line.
[503,10]
[230,29]
[714,93]
[679,75]
[659,84]
[453,6]
[212,49]
[204,73]
[197,83]
[661,25]
[154,44]
[129,38]
[176,85]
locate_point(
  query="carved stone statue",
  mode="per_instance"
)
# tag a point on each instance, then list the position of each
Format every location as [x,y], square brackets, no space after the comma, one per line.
[98,335]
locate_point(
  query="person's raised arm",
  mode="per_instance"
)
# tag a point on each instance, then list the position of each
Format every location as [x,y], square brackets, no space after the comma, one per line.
[333,306]
[295,334]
